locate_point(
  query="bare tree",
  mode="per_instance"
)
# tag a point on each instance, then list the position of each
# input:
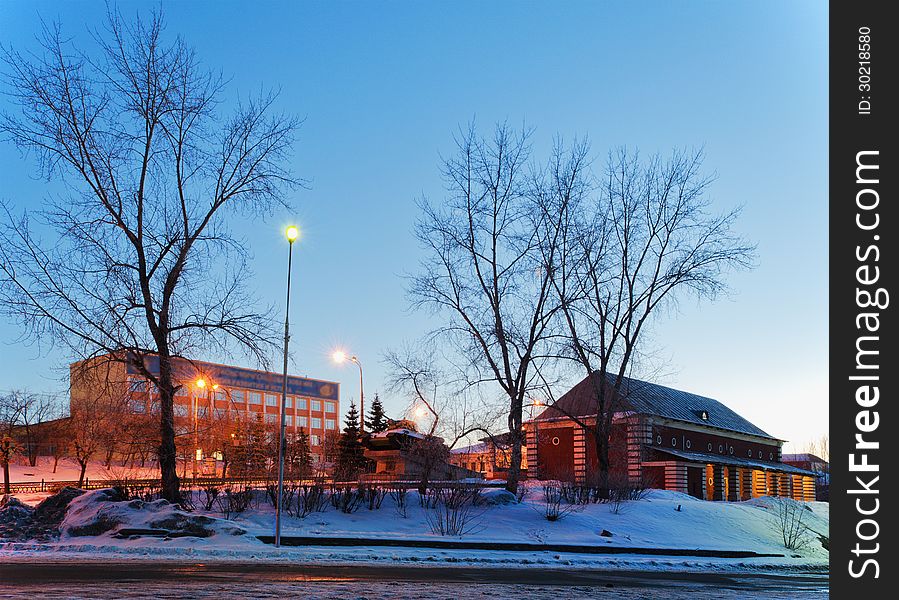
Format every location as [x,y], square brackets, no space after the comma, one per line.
[31,411]
[10,412]
[151,169]
[626,247]
[480,269]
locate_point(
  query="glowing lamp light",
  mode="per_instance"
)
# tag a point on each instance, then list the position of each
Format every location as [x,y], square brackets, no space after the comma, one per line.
[420,411]
[338,356]
[292,233]
[201,383]
[199,454]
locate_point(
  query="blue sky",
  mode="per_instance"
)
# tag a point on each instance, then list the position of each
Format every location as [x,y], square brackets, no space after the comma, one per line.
[383,85]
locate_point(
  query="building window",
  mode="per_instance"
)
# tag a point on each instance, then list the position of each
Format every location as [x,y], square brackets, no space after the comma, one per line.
[720,448]
[314,440]
[330,408]
[271,418]
[674,441]
[710,446]
[288,420]
[255,398]
[731,449]
[220,395]
[237,396]
[289,402]
[316,405]
[301,403]
[271,400]
[301,421]
[555,441]
[688,444]
[316,423]
[137,385]
[330,424]
[659,440]
[180,410]
[138,406]
[749,453]
[760,453]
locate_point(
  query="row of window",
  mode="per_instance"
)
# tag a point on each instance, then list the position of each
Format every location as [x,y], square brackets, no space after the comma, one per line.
[182,410]
[721,447]
[242,397]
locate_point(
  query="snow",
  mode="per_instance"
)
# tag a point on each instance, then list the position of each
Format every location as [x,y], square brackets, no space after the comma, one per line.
[653,522]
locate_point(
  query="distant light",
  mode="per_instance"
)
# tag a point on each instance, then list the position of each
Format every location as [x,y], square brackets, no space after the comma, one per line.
[215,387]
[199,454]
[338,356]
[292,233]
[201,383]
[420,411]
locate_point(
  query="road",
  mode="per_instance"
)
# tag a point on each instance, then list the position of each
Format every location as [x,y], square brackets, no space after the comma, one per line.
[163,579]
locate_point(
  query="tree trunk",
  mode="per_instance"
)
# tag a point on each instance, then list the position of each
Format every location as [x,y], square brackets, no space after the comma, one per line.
[515,454]
[55,463]
[168,467]
[6,489]
[83,464]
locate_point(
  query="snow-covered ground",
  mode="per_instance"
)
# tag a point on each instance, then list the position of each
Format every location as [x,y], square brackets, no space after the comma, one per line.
[68,470]
[653,522]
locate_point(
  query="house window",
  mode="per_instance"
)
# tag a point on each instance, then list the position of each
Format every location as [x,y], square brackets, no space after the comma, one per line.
[749,453]
[301,421]
[760,453]
[314,440]
[688,444]
[659,440]
[289,403]
[237,396]
[330,424]
[673,442]
[710,446]
[180,410]
[316,405]
[288,420]
[720,448]
[731,449]
[316,423]
[255,398]
[271,418]
[555,441]
[137,385]
[301,403]
[271,400]
[330,408]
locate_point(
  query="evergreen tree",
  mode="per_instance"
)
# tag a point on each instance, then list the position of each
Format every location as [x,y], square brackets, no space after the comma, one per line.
[303,456]
[350,458]
[377,420]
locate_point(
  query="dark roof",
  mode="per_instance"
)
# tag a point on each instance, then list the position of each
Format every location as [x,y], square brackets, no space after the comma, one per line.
[803,457]
[651,399]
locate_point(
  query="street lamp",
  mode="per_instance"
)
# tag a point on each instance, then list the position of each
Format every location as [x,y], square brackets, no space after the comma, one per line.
[200,384]
[292,234]
[339,356]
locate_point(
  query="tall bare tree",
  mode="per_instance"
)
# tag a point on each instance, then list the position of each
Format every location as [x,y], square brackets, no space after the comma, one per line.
[627,246]
[481,268]
[129,260]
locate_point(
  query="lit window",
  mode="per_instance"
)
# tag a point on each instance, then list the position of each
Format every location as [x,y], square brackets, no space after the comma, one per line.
[314,440]
[330,424]
[271,418]
[271,400]
[288,420]
[301,421]
[316,405]
[330,408]
[301,403]
[316,423]
[289,403]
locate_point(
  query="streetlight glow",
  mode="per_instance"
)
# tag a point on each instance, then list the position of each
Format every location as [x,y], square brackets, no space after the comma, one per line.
[201,383]
[420,412]
[338,356]
[292,233]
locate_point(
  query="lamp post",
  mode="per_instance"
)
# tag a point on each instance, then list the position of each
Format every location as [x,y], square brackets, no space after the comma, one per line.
[200,384]
[340,356]
[292,234]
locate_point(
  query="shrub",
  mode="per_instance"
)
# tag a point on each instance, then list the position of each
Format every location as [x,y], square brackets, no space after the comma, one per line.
[794,532]
[210,493]
[456,511]
[234,500]
[310,498]
[347,499]
[398,494]
[555,506]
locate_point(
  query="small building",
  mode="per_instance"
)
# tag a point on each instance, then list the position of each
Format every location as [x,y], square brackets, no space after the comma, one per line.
[664,438]
[399,454]
[816,464]
[490,457]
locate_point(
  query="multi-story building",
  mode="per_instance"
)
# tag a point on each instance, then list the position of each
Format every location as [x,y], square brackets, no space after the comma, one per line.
[209,392]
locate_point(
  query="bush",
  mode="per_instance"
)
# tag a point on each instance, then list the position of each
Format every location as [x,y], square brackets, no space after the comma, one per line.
[310,498]
[234,500]
[456,511]
[346,499]
[210,493]
[794,532]
[398,494]
[553,499]
[373,495]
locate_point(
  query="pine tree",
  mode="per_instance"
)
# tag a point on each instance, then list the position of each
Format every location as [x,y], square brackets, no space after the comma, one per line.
[350,458]
[303,456]
[377,420]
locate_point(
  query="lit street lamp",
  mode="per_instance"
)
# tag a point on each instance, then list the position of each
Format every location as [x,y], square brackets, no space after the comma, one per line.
[200,384]
[339,356]
[292,234]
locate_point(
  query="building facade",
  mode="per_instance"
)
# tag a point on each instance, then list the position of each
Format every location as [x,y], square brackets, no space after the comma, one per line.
[664,438]
[210,395]
[489,457]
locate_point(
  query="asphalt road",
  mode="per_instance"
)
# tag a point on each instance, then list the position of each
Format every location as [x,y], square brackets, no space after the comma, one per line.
[164,579]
